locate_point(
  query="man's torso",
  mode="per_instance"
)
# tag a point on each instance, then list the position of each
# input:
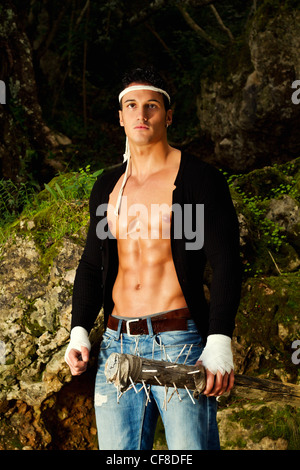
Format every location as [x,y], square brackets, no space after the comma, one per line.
[147,282]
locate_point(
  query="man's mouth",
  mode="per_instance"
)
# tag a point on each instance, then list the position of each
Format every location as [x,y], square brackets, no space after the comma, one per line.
[140,126]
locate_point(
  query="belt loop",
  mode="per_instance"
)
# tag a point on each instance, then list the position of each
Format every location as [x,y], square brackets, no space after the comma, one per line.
[150,328]
[119,329]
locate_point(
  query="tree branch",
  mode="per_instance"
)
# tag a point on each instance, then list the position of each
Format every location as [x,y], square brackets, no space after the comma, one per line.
[220,21]
[84,9]
[198,30]
[164,45]
[156,5]
[50,34]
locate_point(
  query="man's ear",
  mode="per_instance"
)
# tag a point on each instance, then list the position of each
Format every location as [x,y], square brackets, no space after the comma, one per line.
[121,118]
[169,117]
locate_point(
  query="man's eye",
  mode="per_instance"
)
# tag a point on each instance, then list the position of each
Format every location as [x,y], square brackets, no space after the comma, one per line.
[131,105]
[152,106]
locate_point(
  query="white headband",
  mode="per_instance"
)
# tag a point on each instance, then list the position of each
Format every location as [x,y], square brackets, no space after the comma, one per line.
[143,87]
[126,155]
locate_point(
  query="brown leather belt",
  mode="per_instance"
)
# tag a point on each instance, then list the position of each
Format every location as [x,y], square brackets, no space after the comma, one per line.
[167,321]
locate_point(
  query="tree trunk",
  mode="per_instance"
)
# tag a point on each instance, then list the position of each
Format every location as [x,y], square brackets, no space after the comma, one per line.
[23,133]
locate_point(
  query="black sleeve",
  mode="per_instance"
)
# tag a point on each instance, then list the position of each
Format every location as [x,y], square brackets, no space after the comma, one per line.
[222,249]
[88,289]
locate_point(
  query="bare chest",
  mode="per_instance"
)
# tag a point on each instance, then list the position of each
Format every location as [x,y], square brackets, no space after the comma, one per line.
[145,210]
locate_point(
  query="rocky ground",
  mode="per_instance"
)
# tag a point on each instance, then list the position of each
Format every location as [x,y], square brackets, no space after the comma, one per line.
[43,407]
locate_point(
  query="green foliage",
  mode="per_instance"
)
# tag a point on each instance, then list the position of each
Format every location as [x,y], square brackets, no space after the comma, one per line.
[13,198]
[269,231]
[60,209]
[74,187]
[255,206]
[268,241]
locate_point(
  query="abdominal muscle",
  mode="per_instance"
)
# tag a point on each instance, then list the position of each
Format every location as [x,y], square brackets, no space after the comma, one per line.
[146,282]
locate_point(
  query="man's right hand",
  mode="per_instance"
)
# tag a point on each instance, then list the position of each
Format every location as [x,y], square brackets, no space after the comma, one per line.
[78,361]
[78,350]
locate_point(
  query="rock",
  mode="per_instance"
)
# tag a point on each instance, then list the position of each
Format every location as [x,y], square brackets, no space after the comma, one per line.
[267,203]
[286,213]
[35,319]
[267,323]
[249,114]
[242,428]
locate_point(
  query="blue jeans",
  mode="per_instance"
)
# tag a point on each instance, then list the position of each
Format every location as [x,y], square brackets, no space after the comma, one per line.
[129,423]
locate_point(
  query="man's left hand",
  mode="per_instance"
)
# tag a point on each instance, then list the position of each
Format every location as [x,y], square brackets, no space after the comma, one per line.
[217,384]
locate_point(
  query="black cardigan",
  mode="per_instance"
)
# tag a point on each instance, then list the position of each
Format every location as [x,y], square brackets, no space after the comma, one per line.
[197,182]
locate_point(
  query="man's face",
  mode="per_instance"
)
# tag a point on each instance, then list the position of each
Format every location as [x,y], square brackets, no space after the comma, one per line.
[144,116]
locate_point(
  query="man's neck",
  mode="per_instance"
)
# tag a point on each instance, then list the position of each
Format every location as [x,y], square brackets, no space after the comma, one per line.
[146,160]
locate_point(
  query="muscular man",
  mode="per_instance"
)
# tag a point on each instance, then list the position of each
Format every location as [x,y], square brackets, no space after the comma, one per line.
[140,264]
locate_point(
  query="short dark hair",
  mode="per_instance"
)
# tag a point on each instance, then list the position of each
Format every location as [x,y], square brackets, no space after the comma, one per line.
[147,76]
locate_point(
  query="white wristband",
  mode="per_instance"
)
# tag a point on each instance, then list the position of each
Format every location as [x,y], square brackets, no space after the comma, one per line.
[217,354]
[79,337]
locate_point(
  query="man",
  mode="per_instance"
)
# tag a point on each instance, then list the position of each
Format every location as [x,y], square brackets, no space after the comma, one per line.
[140,264]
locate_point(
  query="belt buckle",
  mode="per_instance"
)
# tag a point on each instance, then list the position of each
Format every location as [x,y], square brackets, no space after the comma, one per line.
[128,326]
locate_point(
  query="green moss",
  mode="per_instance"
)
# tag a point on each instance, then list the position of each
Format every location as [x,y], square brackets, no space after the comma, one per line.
[283,422]
[274,297]
[262,183]
[238,443]
[268,322]
[32,326]
[57,220]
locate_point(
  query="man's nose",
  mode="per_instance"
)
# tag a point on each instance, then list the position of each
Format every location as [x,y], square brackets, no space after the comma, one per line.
[143,115]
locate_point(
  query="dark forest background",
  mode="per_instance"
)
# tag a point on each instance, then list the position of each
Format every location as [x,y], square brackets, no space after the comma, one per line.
[62,63]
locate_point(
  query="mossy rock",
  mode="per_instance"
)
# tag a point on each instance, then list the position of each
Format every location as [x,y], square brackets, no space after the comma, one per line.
[259,426]
[267,201]
[260,183]
[267,323]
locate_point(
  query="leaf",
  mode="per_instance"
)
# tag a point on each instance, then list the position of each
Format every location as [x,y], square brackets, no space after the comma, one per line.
[51,191]
[97,173]
[59,190]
